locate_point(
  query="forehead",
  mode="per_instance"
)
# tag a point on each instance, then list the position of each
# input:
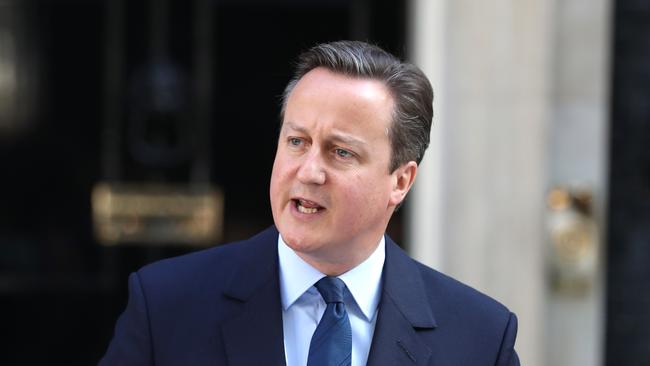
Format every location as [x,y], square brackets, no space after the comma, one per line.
[322,93]
[325,80]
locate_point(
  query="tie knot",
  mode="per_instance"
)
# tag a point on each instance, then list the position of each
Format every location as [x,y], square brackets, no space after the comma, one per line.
[331,289]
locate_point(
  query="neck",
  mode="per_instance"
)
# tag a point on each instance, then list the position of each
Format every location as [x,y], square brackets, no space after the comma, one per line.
[338,265]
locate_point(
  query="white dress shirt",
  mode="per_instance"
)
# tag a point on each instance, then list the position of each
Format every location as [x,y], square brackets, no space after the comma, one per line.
[303,306]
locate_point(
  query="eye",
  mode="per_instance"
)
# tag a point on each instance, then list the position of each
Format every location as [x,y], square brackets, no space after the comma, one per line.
[294,141]
[342,153]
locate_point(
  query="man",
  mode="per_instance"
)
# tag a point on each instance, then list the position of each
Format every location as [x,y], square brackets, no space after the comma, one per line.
[324,286]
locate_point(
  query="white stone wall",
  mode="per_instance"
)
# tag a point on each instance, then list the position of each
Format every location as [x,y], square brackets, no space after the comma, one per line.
[516,81]
[578,155]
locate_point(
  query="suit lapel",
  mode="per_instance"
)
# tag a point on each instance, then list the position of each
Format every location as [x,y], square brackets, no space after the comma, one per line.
[404,311]
[255,337]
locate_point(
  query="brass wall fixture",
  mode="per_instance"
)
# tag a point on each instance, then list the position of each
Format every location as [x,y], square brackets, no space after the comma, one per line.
[157,214]
[574,240]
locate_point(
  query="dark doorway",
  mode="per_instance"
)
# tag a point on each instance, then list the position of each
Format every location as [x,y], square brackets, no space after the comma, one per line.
[60,289]
[628,267]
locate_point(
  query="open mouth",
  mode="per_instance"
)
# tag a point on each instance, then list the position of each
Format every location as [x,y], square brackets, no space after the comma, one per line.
[307,207]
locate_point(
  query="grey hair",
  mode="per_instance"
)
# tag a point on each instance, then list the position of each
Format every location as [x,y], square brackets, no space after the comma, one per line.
[409,87]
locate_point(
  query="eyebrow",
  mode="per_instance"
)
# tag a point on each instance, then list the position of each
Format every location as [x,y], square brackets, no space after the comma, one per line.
[292,126]
[348,140]
[334,136]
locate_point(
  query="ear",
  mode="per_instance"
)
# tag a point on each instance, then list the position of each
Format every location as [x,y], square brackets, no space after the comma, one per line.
[403,178]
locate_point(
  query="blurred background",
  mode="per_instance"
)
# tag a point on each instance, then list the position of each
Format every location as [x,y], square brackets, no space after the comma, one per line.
[132,131]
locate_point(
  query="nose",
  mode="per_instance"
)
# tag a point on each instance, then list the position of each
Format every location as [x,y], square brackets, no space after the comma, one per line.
[311,169]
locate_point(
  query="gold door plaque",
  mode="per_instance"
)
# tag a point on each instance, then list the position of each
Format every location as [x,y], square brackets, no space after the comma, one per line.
[157,214]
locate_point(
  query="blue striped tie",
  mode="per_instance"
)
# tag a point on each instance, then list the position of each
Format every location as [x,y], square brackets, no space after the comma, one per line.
[331,344]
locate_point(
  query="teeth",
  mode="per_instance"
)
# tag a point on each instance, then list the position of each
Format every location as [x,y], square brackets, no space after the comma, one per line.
[306,209]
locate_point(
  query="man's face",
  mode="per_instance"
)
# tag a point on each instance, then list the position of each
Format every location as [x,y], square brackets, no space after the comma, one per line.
[331,192]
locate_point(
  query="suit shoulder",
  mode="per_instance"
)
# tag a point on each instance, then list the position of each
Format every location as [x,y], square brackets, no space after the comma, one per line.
[207,264]
[465,315]
[449,294]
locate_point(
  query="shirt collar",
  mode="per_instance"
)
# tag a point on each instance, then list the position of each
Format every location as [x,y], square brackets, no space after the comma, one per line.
[363,281]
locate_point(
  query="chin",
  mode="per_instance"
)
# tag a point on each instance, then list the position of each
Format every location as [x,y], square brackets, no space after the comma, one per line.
[298,242]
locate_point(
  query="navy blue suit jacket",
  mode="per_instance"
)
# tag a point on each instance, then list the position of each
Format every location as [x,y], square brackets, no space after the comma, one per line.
[221,306]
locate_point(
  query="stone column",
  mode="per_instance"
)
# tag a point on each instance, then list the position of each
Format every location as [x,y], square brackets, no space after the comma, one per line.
[577,155]
[515,82]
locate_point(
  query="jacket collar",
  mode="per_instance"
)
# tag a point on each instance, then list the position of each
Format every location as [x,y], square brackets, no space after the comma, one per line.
[254,336]
[404,311]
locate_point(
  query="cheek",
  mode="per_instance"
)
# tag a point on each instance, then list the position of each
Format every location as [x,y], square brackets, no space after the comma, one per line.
[282,177]
[281,167]
[358,197]
[278,179]
[365,195]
